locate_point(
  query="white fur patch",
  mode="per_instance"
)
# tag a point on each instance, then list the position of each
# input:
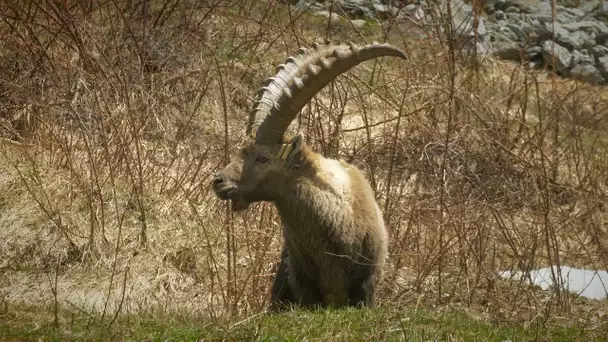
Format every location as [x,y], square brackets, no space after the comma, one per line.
[336,174]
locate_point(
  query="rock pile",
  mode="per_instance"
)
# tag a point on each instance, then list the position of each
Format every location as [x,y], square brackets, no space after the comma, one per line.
[575,44]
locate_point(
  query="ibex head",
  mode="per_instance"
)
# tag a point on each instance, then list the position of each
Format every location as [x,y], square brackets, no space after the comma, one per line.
[263,169]
[258,173]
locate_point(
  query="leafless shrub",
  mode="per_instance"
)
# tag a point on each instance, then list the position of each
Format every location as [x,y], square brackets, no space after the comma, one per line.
[114,115]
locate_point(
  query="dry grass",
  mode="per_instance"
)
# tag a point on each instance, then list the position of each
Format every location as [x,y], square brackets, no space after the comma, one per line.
[114,116]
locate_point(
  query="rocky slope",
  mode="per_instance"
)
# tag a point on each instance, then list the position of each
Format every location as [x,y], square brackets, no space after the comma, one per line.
[574,45]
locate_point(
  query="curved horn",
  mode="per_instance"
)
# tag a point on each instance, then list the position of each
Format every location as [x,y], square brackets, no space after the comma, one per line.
[299,79]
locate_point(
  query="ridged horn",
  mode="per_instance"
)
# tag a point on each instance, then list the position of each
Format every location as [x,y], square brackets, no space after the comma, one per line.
[299,79]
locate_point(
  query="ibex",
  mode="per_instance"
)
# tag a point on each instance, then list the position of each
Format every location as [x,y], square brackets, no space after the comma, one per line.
[335,241]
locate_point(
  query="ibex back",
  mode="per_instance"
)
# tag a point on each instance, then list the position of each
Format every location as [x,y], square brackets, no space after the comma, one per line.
[335,241]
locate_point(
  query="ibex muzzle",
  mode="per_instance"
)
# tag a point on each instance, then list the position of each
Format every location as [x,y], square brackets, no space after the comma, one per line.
[335,239]
[226,185]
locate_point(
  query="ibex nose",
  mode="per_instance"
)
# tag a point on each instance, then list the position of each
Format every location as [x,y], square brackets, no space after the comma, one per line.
[217,180]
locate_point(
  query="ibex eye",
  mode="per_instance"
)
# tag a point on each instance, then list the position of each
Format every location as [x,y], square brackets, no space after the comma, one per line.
[262,159]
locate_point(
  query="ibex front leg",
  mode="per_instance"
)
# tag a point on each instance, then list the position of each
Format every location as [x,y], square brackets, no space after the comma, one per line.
[305,289]
[334,286]
[281,294]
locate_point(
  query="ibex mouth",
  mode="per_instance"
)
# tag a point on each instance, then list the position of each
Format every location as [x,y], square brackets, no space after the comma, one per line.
[225,192]
[231,193]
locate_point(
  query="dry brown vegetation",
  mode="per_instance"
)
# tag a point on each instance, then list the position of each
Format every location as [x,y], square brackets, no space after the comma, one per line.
[115,114]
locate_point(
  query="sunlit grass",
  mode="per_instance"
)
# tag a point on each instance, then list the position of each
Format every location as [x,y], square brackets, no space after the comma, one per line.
[322,325]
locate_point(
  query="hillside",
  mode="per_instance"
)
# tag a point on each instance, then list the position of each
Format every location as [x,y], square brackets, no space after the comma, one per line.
[115,115]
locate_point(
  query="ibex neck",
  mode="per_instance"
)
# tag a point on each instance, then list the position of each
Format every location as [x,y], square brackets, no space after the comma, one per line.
[316,195]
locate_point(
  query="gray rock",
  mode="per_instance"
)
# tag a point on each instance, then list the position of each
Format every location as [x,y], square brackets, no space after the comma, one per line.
[599,51]
[552,30]
[413,12]
[565,17]
[534,22]
[523,31]
[576,40]
[463,19]
[596,27]
[335,18]
[562,15]
[574,43]
[381,7]
[544,8]
[556,56]
[506,32]
[358,23]
[602,65]
[522,6]
[574,12]
[355,9]
[581,58]
[410,7]
[542,18]
[571,40]
[586,73]
[478,49]
[365,9]
[555,31]
[491,6]
[505,48]
[603,25]
[513,16]
[534,52]
[384,12]
[302,5]
[591,6]
[535,65]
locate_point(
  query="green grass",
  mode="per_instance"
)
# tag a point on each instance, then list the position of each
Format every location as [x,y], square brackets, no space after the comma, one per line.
[341,325]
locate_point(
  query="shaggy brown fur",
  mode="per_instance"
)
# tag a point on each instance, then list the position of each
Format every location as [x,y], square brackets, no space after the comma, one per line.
[335,239]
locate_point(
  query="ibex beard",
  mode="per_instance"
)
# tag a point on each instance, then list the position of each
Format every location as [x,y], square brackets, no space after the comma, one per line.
[335,241]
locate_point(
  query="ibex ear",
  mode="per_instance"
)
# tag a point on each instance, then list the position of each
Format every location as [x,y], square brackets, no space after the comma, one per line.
[289,150]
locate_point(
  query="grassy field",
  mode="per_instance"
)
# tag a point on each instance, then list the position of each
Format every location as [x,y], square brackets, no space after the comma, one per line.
[114,116]
[322,325]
